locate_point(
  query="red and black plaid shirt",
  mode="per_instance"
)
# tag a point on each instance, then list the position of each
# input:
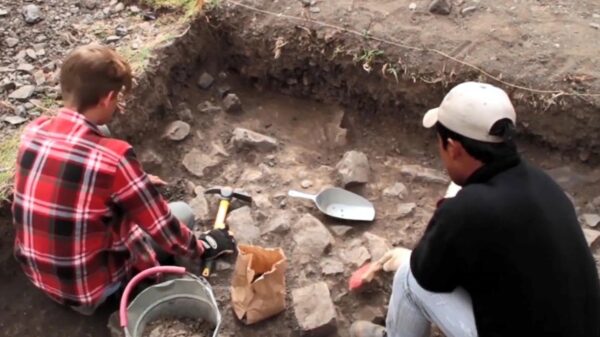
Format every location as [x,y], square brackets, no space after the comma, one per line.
[81,206]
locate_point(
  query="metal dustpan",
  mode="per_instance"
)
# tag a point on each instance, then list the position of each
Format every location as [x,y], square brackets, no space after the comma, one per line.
[339,203]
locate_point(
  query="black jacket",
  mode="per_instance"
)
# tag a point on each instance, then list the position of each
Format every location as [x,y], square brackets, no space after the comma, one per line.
[511,238]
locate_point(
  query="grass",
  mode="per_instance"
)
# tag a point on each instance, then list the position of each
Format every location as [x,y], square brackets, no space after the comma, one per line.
[188,6]
[8,157]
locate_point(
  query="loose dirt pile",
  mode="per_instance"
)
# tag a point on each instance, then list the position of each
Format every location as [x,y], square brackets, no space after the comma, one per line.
[181,327]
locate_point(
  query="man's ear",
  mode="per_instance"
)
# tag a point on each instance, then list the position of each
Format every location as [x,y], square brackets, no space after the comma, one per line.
[106,100]
[455,149]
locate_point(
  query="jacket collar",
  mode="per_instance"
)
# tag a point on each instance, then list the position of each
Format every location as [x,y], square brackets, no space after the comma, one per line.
[79,119]
[489,170]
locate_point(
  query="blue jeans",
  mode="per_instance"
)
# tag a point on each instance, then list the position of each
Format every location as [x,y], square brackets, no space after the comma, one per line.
[412,309]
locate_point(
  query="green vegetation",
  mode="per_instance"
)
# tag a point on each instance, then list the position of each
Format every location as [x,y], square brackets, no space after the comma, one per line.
[8,157]
[189,6]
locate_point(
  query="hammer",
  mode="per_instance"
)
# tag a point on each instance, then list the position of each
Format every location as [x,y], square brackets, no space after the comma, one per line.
[226,194]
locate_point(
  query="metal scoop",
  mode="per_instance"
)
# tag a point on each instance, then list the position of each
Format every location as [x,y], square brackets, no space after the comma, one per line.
[339,203]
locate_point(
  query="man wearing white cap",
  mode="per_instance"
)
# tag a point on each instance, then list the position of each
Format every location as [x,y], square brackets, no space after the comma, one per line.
[506,255]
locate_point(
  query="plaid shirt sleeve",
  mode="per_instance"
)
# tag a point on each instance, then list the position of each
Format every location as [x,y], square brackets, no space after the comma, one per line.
[142,204]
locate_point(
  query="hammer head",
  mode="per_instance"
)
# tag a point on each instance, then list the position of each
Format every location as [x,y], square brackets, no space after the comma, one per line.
[229,193]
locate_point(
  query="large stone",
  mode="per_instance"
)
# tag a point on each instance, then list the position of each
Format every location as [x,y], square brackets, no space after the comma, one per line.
[232,103]
[25,67]
[177,130]
[398,190]
[32,14]
[243,225]
[591,220]
[405,210]
[197,161]
[244,138]
[441,7]
[15,120]
[331,266]
[200,207]
[378,246]
[11,42]
[592,237]
[205,81]
[311,237]
[279,223]
[353,168]
[356,254]
[23,93]
[314,310]
[423,174]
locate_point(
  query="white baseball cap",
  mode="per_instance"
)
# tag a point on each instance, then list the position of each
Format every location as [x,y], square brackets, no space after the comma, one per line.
[471,109]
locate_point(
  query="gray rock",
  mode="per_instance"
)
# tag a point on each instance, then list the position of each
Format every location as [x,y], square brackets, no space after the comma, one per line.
[596,202]
[11,42]
[23,93]
[15,120]
[3,12]
[311,237]
[200,207]
[112,38]
[279,223]
[251,175]
[377,245]
[423,174]
[261,201]
[32,14]
[315,9]
[185,114]
[356,254]
[441,7]
[118,7]
[243,225]
[340,230]
[331,266]
[353,168]
[398,190]
[121,31]
[405,210]
[468,10]
[223,90]
[177,131]
[314,310]
[244,138]
[595,25]
[232,103]
[40,77]
[592,237]
[26,67]
[306,184]
[205,81]
[31,54]
[197,161]
[591,220]
[89,4]
[134,9]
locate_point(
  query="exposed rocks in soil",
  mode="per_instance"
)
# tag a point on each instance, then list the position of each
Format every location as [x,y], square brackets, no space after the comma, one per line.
[356,254]
[232,103]
[592,220]
[353,168]
[311,237]
[314,310]
[244,138]
[183,327]
[405,209]
[196,161]
[177,130]
[378,246]
[242,223]
[423,174]
[205,81]
[398,190]
[441,7]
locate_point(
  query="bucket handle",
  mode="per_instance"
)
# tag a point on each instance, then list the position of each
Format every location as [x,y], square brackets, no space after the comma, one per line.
[135,280]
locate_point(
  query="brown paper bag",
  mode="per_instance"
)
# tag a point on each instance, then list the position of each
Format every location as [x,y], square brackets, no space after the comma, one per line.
[258,285]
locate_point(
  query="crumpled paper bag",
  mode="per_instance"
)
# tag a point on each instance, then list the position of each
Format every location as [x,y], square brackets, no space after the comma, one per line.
[258,285]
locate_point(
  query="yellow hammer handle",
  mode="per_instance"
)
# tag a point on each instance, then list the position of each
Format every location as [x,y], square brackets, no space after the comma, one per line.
[220,221]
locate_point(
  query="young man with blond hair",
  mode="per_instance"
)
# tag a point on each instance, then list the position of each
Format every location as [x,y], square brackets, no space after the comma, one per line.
[86,214]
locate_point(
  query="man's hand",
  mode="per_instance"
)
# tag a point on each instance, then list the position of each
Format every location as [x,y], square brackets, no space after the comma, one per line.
[394,258]
[216,243]
[156,180]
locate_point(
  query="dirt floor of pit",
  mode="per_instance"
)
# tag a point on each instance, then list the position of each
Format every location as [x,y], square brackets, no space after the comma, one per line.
[306,152]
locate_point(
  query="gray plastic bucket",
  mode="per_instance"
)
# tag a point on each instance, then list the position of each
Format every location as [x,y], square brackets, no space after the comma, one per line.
[188,296]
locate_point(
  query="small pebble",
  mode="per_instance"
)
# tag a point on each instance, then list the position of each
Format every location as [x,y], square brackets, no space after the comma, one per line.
[595,25]
[306,184]
[468,10]
[412,6]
